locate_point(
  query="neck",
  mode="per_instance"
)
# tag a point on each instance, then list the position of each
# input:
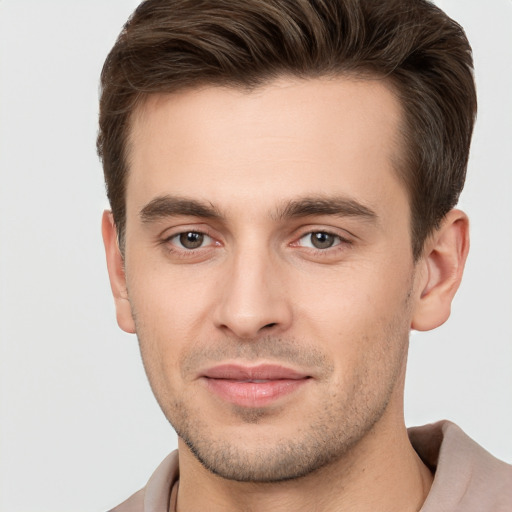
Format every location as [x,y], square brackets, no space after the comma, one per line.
[381,473]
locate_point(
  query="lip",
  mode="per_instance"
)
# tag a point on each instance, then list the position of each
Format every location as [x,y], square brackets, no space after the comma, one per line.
[253,386]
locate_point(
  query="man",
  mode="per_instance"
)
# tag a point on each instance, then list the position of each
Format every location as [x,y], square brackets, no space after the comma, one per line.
[283,177]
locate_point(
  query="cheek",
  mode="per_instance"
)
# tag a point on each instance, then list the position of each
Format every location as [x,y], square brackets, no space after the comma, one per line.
[172,308]
[171,298]
[359,315]
[352,297]
[162,319]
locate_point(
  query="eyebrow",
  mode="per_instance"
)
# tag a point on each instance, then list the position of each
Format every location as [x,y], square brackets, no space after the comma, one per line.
[171,206]
[337,206]
[162,207]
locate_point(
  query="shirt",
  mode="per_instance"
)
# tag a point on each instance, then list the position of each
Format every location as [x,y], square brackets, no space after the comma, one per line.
[466,477]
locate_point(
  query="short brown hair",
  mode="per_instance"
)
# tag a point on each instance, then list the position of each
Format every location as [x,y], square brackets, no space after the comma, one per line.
[170,45]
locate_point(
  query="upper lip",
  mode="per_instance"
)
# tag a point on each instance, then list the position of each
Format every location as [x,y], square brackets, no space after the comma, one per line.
[259,372]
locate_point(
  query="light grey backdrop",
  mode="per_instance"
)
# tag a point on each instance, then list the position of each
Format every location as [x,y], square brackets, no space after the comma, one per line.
[79,427]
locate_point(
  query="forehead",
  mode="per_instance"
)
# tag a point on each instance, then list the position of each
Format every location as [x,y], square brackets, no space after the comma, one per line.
[287,137]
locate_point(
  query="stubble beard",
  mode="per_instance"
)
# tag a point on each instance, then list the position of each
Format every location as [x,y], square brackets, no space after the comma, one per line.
[344,419]
[316,445]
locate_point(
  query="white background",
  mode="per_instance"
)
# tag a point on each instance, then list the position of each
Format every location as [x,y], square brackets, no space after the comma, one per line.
[79,427]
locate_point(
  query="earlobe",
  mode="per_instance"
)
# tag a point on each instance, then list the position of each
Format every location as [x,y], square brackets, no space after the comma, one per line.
[443,263]
[116,273]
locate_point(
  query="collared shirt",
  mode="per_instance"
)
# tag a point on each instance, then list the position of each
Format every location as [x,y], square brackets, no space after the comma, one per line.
[466,477]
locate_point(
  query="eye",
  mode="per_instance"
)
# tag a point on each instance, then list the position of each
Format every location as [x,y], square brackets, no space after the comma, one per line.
[190,240]
[319,240]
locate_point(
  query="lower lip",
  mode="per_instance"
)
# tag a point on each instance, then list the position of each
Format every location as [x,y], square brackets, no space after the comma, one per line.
[253,394]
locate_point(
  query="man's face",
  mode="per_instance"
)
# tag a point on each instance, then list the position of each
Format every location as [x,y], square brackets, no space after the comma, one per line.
[269,270]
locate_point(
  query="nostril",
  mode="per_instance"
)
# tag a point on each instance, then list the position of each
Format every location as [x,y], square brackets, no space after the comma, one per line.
[269,325]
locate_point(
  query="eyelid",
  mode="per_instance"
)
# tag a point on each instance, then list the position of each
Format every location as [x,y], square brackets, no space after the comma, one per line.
[165,238]
[343,239]
[335,253]
[186,227]
[342,234]
[178,244]
[339,240]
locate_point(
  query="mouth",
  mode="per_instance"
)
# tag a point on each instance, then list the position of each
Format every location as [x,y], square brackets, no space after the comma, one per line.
[253,386]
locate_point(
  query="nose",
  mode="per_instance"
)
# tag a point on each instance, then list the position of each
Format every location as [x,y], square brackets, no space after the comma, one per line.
[253,298]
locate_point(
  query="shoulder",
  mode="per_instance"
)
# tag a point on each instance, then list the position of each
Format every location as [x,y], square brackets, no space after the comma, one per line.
[134,503]
[466,477]
[156,494]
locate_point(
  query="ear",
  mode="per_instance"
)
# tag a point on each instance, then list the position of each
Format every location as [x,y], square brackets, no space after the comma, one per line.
[442,265]
[115,265]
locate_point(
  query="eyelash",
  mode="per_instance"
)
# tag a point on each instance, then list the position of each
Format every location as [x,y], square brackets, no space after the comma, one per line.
[340,243]
[340,240]
[182,251]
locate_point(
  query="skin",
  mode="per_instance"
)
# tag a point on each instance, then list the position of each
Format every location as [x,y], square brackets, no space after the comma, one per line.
[251,173]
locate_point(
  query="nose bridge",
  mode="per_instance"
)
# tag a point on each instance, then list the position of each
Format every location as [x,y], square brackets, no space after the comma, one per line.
[253,297]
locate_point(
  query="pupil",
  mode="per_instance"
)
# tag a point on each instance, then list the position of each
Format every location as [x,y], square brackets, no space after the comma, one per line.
[322,240]
[191,240]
